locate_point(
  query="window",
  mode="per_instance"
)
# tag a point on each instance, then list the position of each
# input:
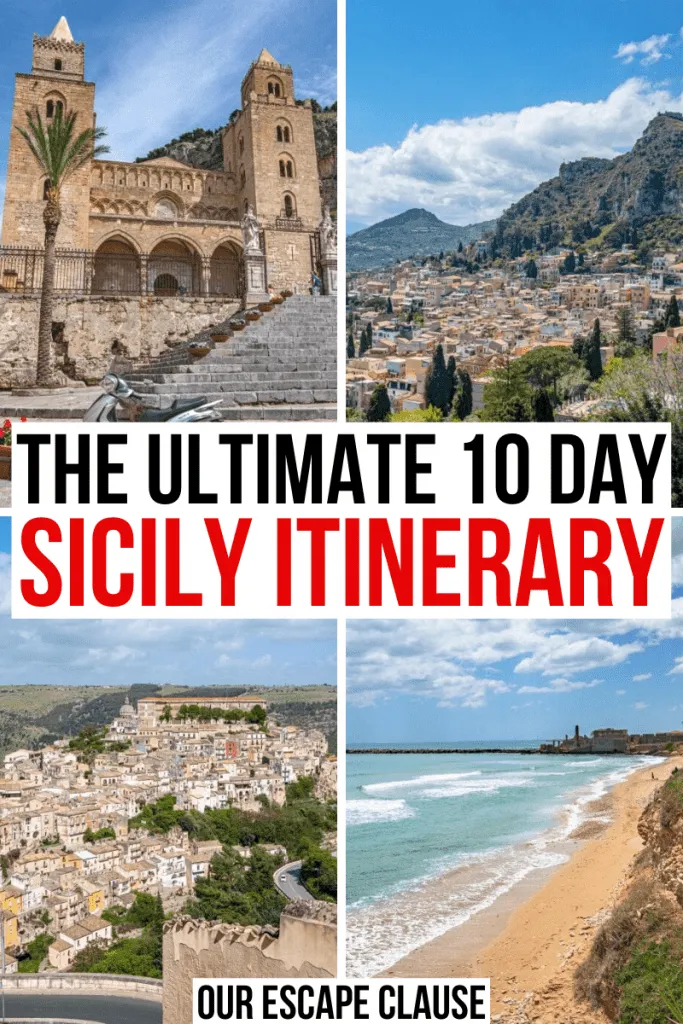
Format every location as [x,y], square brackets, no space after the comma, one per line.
[290,169]
[274,88]
[289,206]
[285,132]
[50,108]
[282,133]
[241,144]
[283,171]
[278,134]
[58,65]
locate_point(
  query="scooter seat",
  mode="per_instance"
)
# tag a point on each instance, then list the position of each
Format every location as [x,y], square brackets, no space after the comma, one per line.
[163,415]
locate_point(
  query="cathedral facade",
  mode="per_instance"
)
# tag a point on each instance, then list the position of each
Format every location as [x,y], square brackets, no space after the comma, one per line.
[159,226]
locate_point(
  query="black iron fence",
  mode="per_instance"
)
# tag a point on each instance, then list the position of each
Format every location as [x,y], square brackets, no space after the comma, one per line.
[97,273]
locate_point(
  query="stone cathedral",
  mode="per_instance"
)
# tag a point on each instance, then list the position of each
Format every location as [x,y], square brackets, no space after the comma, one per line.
[162,227]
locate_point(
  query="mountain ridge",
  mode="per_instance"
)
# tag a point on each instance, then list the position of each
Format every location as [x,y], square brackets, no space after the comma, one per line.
[414,232]
[635,198]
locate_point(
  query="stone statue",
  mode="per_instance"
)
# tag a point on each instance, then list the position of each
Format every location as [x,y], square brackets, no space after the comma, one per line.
[328,234]
[250,231]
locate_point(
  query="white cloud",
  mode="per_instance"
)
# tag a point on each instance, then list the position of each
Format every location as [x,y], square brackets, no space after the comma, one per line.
[182,68]
[642,676]
[561,654]
[560,686]
[620,693]
[471,169]
[640,706]
[650,50]
[464,663]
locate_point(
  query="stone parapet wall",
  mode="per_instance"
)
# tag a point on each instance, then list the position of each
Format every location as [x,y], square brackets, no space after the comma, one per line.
[305,947]
[99,331]
[97,984]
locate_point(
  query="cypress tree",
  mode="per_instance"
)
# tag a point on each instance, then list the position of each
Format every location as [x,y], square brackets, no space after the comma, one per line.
[531,270]
[390,306]
[542,407]
[592,353]
[369,334]
[350,347]
[437,384]
[380,406]
[463,402]
[672,317]
[452,376]
[364,345]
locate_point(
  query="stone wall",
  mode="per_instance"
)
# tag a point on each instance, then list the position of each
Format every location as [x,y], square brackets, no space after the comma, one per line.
[304,947]
[99,331]
[103,984]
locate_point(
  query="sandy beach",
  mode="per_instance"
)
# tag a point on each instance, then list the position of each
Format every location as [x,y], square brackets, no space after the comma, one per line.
[531,940]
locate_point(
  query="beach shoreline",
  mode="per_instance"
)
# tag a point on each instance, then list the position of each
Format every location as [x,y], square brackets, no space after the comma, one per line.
[530,941]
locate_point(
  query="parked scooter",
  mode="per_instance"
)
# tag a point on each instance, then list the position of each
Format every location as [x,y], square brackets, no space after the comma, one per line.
[117,392]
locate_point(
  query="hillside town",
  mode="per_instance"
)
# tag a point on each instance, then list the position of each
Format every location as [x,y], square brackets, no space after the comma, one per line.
[487,313]
[73,840]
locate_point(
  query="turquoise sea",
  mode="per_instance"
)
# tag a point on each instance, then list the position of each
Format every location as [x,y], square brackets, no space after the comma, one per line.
[433,839]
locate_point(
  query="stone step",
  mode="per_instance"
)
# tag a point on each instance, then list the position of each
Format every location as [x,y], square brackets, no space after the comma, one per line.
[322,396]
[282,412]
[232,388]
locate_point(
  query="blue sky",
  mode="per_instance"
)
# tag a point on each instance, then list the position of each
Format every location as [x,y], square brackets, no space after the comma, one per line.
[163,67]
[516,679]
[78,652]
[465,107]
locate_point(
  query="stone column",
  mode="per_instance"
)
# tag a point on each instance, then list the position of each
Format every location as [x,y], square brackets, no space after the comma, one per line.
[144,274]
[206,275]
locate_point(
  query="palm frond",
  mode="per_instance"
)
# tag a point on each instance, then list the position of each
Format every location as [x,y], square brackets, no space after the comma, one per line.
[56,148]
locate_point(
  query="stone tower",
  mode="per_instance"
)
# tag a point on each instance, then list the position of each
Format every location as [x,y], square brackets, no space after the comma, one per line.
[269,145]
[57,77]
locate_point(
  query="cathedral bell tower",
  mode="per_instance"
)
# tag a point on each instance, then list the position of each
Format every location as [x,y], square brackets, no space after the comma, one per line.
[57,80]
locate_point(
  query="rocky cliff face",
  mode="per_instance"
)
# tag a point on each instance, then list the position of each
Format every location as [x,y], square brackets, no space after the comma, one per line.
[661,829]
[635,198]
[202,148]
[633,971]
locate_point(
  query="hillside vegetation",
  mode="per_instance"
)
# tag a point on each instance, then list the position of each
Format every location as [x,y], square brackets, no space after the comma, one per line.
[634,972]
[635,199]
[32,716]
[413,233]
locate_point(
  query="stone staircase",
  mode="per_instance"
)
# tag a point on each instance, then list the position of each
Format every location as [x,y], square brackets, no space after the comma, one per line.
[281,367]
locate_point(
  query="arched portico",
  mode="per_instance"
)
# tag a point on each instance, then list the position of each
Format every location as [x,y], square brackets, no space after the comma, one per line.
[225,276]
[174,268]
[116,268]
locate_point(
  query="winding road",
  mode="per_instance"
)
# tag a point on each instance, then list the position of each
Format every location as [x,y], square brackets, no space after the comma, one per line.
[49,1006]
[288,881]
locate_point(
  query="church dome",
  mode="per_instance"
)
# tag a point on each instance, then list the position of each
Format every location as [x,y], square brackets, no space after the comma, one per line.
[127,710]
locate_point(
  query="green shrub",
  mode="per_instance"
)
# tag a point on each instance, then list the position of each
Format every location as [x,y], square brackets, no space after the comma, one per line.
[651,986]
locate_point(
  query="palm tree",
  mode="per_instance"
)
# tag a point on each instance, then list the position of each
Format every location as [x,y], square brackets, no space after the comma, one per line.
[60,151]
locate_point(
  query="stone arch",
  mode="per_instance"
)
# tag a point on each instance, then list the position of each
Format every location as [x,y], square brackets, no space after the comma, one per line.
[226,269]
[51,101]
[174,267]
[283,132]
[116,266]
[167,206]
[289,205]
[275,87]
[286,166]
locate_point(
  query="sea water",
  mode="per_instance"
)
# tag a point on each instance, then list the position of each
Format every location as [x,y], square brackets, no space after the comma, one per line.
[433,839]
